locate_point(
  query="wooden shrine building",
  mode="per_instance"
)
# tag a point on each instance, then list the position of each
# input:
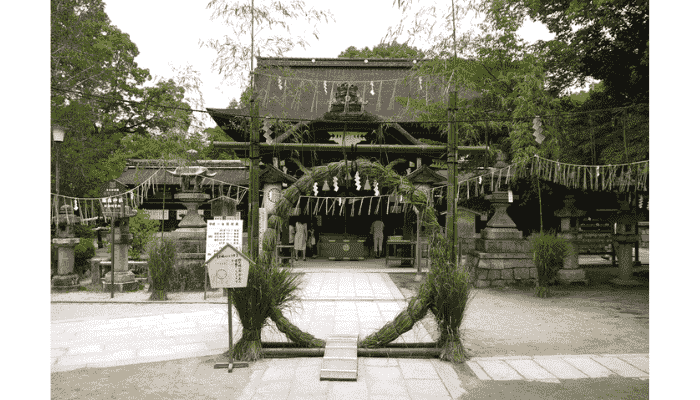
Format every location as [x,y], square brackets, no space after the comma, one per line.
[317,111]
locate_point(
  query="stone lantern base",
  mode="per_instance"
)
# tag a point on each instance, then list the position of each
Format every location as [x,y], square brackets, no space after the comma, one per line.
[66,280]
[65,283]
[123,282]
[625,242]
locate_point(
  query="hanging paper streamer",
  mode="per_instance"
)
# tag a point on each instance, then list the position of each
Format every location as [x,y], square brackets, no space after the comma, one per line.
[393,97]
[330,98]
[314,101]
[379,96]
[372,90]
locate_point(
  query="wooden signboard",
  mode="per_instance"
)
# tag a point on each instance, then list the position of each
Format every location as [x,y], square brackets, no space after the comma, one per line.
[228,268]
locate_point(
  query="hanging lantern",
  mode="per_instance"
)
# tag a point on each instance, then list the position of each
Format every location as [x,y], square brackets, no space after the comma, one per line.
[367,186]
[325,186]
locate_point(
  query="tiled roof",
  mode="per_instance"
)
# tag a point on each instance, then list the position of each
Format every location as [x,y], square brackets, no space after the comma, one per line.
[138,172]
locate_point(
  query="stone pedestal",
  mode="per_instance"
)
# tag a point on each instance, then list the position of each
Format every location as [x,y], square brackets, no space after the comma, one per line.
[501,256]
[66,280]
[571,272]
[124,280]
[569,215]
[191,234]
[625,238]
[625,243]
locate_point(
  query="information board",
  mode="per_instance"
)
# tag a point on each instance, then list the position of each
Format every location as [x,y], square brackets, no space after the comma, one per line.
[157,214]
[221,232]
[228,268]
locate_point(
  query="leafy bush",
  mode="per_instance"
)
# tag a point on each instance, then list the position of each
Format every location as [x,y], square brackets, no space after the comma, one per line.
[187,278]
[548,253]
[84,231]
[162,255]
[143,230]
[84,251]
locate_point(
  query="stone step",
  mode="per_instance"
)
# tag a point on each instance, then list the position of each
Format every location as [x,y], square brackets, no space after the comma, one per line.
[340,358]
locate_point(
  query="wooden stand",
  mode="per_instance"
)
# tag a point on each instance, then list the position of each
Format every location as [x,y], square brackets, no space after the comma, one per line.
[394,244]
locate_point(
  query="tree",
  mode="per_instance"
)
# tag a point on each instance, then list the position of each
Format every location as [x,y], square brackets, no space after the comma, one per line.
[273,32]
[98,95]
[607,40]
[384,50]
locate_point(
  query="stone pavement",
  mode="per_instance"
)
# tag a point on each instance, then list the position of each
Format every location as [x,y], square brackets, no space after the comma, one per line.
[331,302]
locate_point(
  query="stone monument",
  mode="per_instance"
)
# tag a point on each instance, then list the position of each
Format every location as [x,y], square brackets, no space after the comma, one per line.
[66,280]
[625,236]
[124,280]
[191,233]
[501,256]
[569,215]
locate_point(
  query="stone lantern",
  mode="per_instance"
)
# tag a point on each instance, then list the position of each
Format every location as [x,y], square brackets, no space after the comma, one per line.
[192,230]
[570,215]
[124,280]
[625,235]
[66,279]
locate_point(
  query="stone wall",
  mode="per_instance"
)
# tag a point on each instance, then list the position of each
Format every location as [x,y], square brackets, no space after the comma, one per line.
[501,277]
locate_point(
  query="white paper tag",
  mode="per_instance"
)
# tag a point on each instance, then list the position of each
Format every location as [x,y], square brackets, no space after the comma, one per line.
[510,196]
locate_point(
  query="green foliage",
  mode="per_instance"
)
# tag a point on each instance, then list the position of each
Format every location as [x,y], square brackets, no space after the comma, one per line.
[548,253]
[84,231]
[98,95]
[162,256]
[606,39]
[448,285]
[269,287]
[84,251]
[393,49]
[143,230]
[234,52]
[187,278]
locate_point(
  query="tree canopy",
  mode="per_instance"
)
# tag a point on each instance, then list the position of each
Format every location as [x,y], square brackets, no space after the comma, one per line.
[517,82]
[102,98]
[393,49]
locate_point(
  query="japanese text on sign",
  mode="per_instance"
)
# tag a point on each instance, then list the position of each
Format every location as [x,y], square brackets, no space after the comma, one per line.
[221,232]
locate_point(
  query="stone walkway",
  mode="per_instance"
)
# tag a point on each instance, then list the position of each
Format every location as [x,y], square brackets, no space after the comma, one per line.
[331,302]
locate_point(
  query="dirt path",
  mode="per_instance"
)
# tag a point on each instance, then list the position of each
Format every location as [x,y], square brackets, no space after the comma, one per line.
[597,318]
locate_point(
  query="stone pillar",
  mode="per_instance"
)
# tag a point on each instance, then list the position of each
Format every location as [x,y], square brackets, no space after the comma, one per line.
[124,280]
[95,269]
[569,215]
[66,280]
[624,238]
